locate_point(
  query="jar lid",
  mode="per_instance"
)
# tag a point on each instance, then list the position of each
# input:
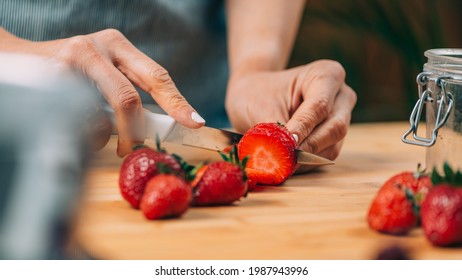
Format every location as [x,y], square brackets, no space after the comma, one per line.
[448,61]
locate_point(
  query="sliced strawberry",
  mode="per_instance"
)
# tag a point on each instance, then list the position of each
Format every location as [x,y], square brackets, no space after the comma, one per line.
[271,151]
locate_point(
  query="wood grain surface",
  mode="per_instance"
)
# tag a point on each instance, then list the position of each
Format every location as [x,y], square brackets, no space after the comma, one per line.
[317,215]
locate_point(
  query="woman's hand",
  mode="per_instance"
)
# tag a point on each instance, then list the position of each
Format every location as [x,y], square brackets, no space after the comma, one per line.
[114,65]
[312,100]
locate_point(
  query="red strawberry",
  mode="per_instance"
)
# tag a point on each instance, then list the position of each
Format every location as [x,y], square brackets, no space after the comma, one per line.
[252,178]
[442,209]
[271,151]
[220,183]
[140,166]
[395,208]
[165,196]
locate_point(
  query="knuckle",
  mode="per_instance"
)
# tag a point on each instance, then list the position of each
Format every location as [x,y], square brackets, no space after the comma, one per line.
[77,46]
[351,94]
[332,68]
[129,100]
[111,35]
[332,152]
[80,43]
[339,128]
[177,102]
[321,108]
[313,144]
[305,123]
[165,88]
[160,75]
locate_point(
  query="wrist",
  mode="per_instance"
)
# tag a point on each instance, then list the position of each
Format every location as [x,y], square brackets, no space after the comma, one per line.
[13,44]
[259,59]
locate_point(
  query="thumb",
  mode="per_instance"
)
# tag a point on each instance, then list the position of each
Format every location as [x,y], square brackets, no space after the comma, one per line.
[305,119]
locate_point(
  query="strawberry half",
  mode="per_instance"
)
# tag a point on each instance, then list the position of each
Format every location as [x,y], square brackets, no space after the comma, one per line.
[395,209]
[140,166]
[271,151]
[442,209]
[165,196]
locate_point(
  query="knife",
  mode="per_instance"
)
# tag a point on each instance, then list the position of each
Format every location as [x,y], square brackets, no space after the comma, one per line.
[168,130]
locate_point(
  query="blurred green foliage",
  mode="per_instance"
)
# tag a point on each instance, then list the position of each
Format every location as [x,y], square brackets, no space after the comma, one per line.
[380,43]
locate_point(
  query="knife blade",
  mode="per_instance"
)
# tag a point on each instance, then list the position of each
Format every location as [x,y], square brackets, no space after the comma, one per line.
[168,130]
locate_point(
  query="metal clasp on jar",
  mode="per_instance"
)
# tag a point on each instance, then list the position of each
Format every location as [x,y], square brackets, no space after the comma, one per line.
[425,95]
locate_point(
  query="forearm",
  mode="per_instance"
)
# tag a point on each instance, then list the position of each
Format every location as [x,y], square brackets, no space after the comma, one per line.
[261,33]
[7,41]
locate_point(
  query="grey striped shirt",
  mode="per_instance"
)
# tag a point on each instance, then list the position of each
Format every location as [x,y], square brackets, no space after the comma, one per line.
[187,37]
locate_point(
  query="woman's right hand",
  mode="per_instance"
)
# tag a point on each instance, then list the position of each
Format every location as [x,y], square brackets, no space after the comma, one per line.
[114,65]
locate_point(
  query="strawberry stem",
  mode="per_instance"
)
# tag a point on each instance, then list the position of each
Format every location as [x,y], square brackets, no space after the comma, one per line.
[158,146]
[164,168]
[224,157]
[419,172]
[189,169]
[138,146]
[280,123]
[414,201]
[191,174]
[234,159]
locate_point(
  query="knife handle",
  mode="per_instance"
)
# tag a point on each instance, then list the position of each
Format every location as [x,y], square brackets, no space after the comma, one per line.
[155,124]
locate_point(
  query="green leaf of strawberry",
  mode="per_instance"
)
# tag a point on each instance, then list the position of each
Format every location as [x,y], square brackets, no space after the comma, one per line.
[449,177]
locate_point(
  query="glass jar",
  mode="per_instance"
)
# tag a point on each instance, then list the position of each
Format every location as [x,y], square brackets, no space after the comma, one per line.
[440,96]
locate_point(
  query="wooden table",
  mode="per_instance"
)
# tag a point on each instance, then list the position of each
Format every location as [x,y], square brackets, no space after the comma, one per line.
[318,215]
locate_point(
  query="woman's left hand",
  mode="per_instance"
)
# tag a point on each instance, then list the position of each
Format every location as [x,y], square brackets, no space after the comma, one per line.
[312,100]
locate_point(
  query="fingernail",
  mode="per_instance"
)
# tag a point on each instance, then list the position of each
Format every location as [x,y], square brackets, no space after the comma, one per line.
[197,118]
[295,137]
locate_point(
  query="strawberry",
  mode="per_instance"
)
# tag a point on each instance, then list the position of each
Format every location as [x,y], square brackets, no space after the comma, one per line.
[220,183]
[165,196]
[251,181]
[271,151]
[442,209]
[395,208]
[140,166]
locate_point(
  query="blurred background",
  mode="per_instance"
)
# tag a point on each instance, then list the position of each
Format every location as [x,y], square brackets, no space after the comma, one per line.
[380,43]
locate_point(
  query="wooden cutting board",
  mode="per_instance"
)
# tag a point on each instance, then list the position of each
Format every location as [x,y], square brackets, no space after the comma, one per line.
[317,215]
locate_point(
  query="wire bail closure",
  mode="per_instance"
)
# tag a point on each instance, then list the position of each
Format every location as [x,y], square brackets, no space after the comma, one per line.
[424,97]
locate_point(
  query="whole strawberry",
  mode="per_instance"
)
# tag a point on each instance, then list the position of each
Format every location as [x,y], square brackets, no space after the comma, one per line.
[271,151]
[220,183]
[165,196]
[140,166]
[395,209]
[442,209]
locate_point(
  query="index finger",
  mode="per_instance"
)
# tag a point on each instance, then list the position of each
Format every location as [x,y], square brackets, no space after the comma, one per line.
[151,77]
